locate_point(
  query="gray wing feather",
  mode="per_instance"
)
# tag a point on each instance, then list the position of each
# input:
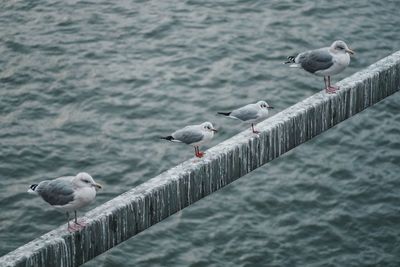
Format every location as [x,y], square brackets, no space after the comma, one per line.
[315,60]
[245,113]
[56,192]
[188,135]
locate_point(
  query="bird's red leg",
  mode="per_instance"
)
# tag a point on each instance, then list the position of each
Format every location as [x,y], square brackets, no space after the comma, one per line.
[331,89]
[332,86]
[254,131]
[326,86]
[328,89]
[70,228]
[80,224]
[199,153]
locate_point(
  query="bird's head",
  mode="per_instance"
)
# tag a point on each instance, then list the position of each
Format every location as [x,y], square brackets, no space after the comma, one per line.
[207,126]
[83,179]
[264,105]
[341,47]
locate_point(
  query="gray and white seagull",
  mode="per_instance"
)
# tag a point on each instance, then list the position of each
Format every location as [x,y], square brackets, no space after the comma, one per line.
[194,135]
[325,62]
[251,113]
[68,193]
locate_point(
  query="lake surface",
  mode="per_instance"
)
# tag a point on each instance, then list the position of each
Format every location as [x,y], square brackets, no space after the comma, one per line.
[91,85]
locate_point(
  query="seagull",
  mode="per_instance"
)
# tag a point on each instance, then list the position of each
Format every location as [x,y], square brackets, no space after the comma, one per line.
[324,62]
[194,135]
[252,113]
[68,193]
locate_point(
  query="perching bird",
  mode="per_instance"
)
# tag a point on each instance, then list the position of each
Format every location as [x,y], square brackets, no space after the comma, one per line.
[194,135]
[251,113]
[68,193]
[324,62]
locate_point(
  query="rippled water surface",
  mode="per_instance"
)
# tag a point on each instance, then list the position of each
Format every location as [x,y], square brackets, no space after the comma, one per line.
[90,85]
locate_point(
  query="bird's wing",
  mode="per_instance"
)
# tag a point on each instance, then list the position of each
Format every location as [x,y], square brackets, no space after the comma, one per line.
[56,192]
[188,135]
[315,60]
[245,113]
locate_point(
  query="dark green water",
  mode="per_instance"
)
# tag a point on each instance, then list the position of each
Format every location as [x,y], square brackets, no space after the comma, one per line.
[89,86]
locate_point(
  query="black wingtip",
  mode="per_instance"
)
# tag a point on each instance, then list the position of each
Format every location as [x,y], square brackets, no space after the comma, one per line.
[224,113]
[33,187]
[291,59]
[169,138]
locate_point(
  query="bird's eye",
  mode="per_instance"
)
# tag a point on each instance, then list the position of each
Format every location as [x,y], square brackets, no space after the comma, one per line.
[85,181]
[340,47]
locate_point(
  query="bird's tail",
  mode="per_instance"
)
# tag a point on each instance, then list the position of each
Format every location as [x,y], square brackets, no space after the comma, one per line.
[32,189]
[224,113]
[169,138]
[291,60]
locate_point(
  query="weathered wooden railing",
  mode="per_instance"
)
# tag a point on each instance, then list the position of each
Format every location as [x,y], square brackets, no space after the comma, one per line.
[145,205]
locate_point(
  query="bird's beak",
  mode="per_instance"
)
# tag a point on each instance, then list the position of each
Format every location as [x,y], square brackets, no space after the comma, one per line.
[214,130]
[98,186]
[348,50]
[270,107]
